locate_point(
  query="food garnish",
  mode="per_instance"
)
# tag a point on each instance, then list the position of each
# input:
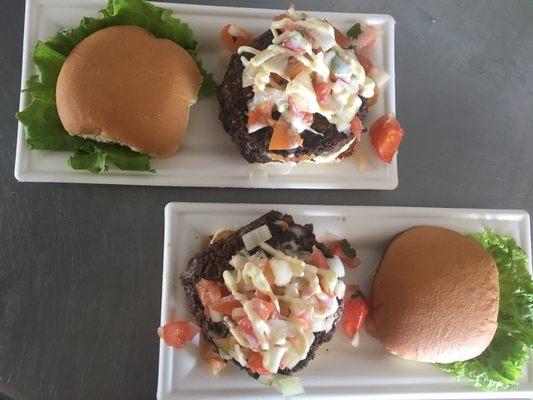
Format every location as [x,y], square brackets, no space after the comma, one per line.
[43,128]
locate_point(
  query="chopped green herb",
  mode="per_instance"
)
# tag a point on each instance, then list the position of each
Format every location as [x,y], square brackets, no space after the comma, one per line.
[354,32]
[348,249]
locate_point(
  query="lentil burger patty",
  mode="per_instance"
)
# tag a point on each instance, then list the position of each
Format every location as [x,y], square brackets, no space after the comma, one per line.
[233,100]
[214,260]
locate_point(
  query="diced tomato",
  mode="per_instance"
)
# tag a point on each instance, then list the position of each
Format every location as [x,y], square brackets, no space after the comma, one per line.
[208,291]
[246,326]
[207,354]
[306,319]
[367,37]
[233,37]
[341,39]
[354,315]
[264,309]
[374,99]
[292,44]
[323,92]
[224,291]
[178,333]
[386,135]
[304,116]
[255,364]
[277,78]
[258,117]
[365,63]
[260,295]
[294,67]
[318,259]
[357,128]
[344,251]
[284,137]
[225,305]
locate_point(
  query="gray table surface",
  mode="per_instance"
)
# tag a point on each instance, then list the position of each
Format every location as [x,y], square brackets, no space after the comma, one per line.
[80,265]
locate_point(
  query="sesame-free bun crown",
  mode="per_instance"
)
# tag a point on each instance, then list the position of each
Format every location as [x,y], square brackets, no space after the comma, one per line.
[435,296]
[123,85]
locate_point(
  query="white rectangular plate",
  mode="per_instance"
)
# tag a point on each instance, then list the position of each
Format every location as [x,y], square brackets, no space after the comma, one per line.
[208,157]
[339,370]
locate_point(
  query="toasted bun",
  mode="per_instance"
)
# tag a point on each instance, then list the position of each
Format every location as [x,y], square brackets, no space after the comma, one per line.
[122,84]
[435,296]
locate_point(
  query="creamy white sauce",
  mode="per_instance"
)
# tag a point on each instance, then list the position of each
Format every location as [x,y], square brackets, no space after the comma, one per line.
[310,43]
[303,307]
[329,158]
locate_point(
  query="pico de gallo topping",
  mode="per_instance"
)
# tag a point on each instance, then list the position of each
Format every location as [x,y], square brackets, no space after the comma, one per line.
[177,333]
[310,67]
[354,316]
[272,303]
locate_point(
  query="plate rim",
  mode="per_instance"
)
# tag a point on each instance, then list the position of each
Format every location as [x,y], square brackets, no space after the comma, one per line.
[172,211]
[22,173]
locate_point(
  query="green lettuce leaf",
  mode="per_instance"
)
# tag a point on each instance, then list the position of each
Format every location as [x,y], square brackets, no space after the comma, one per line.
[500,365]
[43,128]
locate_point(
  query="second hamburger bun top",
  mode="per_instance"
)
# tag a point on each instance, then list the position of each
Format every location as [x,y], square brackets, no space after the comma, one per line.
[435,296]
[122,84]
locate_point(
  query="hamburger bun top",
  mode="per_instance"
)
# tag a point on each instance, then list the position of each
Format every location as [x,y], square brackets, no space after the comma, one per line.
[435,296]
[122,84]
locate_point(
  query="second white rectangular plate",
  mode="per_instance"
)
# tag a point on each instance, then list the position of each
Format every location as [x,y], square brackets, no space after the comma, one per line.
[208,157]
[339,370]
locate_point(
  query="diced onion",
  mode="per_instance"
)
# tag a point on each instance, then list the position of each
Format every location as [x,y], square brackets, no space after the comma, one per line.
[239,355]
[237,312]
[379,75]
[280,330]
[355,340]
[292,290]
[287,385]
[237,261]
[215,315]
[322,324]
[282,271]
[247,79]
[340,289]
[255,237]
[272,358]
[236,31]
[336,265]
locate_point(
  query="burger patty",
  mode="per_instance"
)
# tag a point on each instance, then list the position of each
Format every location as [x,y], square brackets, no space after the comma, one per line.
[233,100]
[214,260]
